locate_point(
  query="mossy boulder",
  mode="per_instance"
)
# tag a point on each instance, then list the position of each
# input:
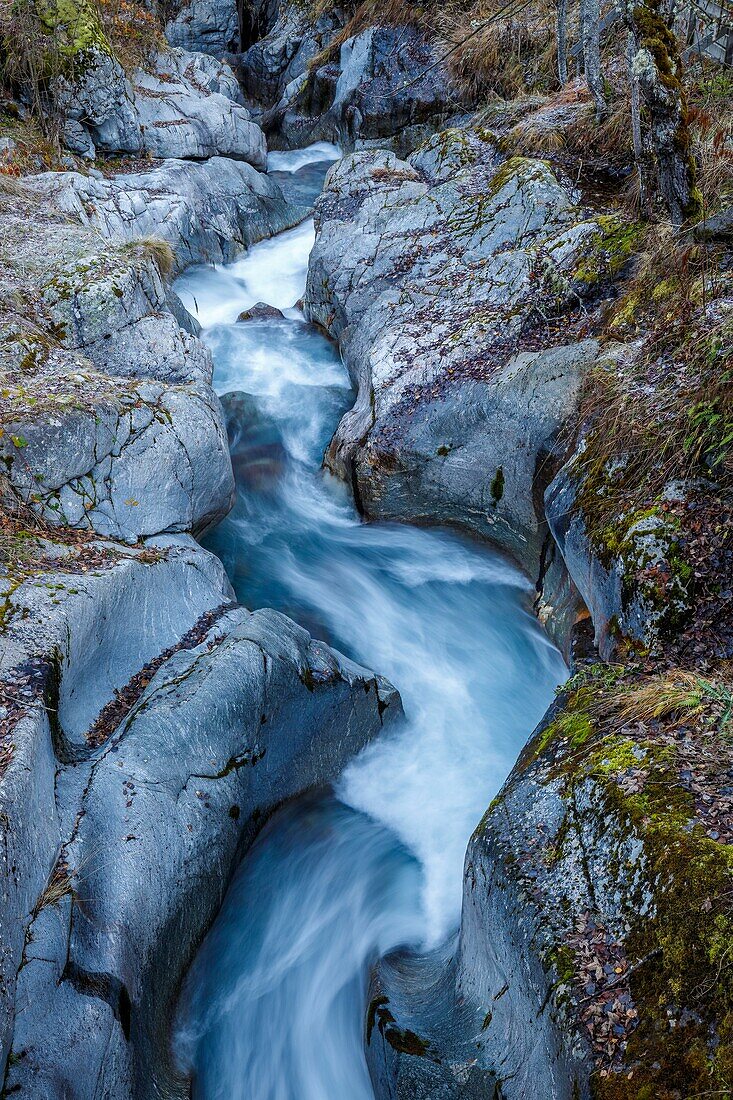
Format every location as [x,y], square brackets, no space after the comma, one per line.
[594,954]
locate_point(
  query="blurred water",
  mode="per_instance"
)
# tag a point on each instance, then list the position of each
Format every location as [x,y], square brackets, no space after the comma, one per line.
[273,1007]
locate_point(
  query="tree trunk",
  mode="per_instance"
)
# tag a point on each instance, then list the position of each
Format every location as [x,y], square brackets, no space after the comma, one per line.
[590,18]
[666,165]
[562,45]
[636,139]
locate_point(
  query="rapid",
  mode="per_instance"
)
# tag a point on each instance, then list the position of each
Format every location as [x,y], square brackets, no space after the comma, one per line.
[273,1007]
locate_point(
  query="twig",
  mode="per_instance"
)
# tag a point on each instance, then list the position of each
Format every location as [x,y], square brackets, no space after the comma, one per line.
[621,977]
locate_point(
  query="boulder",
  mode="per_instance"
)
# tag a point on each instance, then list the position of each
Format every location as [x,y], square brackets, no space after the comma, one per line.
[261,311]
[110,421]
[205,26]
[188,105]
[433,273]
[207,212]
[79,620]
[248,714]
[594,914]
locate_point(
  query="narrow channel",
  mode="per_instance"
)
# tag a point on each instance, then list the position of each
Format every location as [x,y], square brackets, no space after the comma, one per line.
[273,1007]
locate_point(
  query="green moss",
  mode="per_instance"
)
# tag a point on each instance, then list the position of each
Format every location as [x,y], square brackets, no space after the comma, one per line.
[520,169]
[74,26]
[611,250]
[615,755]
[684,993]
[573,726]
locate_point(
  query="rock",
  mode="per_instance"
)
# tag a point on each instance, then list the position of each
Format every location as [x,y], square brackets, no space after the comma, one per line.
[77,138]
[98,90]
[65,655]
[717,227]
[172,797]
[256,446]
[108,391]
[7,148]
[206,26]
[207,212]
[282,56]
[431,272]
[261,311]
[189,106]
[374,92]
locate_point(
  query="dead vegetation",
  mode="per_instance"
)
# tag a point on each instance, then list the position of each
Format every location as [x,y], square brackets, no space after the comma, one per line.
[154,248]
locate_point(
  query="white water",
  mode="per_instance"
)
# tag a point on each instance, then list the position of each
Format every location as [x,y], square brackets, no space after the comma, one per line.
[273,1008]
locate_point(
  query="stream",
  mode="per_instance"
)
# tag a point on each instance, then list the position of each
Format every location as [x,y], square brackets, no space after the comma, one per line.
[273,1008]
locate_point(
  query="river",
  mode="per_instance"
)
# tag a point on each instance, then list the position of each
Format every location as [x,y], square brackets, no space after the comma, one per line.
[273,1007]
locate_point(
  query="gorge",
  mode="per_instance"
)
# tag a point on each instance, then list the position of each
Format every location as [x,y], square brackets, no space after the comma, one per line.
[365,418]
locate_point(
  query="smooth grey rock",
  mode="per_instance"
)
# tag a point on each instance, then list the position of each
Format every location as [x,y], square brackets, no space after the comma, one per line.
[69,640]
[427,272]
[189,107]
[254,714]
[77,138]
[96,93]
[116,428]
[136,461]
[282,56]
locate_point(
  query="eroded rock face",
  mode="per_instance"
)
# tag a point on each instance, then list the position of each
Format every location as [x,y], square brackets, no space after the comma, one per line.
[154,727]
[206,26]
[207,212]
[104,389]
[255,713]
[367,88]
[189,105]
[432,273]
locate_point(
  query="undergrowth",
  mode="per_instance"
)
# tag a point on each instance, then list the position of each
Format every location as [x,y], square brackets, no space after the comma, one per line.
[663,413]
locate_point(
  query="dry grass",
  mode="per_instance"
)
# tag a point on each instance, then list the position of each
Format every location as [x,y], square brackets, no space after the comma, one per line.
[58,886]
[677,697]
[665,412]
[513,52]
[10,185]
[133,31]
[156,249]
[370,13]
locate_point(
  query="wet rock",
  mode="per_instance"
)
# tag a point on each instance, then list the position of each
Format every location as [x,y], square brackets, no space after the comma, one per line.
[371,95]
[256,447]
[368,88]
[261,311]
[214,729]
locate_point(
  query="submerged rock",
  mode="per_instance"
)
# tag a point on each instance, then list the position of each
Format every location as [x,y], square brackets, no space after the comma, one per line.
[261,311]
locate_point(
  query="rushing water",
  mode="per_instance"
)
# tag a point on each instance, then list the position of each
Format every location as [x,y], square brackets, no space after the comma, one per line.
[273,1007]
